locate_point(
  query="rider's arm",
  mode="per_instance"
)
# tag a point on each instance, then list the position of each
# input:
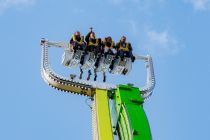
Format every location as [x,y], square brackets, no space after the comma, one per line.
[114,49]
[117,46]
[102,44]
[99,41]
[114,46]
[87,37]
[129,46]
[71,41]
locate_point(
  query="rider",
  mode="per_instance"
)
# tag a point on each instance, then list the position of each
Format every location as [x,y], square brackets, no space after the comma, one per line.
[77,42]
[93,45]
[124,49]
[108,46]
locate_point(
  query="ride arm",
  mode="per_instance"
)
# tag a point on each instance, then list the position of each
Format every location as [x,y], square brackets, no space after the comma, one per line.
[54,44]
[147,90]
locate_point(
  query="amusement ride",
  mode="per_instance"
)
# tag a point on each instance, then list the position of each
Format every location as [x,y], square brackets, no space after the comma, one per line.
[116,109]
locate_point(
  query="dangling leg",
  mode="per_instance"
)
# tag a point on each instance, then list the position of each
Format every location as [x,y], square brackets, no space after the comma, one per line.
[82,59]
[104,77]
[81,72]
[106,49]
[112,64]
[75,47]
[97,62]
[89,73]
[95,75]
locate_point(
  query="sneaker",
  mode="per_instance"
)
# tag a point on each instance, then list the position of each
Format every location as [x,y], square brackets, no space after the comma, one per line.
[133,58]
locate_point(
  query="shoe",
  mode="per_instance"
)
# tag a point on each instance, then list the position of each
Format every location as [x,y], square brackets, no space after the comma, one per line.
[82,61]
[111,67]
[104,80]
[67,63]
[133,58]
[124,71]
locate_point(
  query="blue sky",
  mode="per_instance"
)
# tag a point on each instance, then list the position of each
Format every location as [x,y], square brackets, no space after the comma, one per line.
[175,33]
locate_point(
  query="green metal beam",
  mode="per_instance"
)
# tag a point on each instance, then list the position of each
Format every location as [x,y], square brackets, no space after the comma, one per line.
[132,123]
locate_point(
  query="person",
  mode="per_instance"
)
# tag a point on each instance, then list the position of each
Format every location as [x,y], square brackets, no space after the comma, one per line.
[108,46]
[77,42]
[124,49]
[93,45]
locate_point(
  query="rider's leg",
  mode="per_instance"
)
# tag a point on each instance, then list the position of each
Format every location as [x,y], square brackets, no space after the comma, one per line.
[83,55]
[81,72]
[95,75]
[129,54]
[97,53]
[75,47]
[97,60]
[89,73]
[112,64]
[121,54]
[106,49]
[104,77]
[82,59]
[132,56]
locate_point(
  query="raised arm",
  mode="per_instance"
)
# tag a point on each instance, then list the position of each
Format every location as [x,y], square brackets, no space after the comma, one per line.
[87,37]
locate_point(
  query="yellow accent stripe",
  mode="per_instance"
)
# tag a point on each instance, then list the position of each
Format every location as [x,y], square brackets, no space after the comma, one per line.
[103,115]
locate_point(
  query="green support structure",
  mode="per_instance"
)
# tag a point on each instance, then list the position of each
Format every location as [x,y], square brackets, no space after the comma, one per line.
[131,122]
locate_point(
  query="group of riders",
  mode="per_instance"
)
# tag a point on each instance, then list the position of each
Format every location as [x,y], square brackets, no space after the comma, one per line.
[100,48]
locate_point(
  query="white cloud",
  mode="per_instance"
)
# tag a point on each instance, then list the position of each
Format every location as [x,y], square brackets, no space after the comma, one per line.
[149,40]
[161,38]
[7,4]
[200,4]
[161,43]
